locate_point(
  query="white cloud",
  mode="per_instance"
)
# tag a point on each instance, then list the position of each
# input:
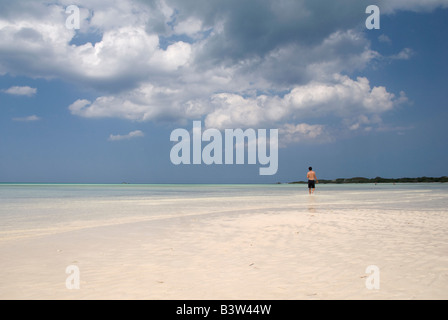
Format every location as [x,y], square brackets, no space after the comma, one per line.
[241,65]
[39,46]
[346,100]
[21,91]
[362,122]
[341,97]
[130,135]
[144,103]
[192,93]
[384,38]
[175,56]
[303,132]
[27,119]
[190,27]
[404,54]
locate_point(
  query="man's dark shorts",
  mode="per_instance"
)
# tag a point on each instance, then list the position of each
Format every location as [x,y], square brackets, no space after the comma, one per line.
[311,184]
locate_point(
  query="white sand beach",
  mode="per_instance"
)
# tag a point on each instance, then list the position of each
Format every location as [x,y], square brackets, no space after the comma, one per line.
[261,243]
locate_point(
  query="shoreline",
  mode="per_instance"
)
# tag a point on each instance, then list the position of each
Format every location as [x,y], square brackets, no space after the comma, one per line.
[441,180]
[363,180]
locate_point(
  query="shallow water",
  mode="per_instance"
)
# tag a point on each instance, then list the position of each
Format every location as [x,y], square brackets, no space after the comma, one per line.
[28,210]
[223,241]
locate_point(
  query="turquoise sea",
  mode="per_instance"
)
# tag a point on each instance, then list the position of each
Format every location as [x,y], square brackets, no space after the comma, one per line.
[28,210]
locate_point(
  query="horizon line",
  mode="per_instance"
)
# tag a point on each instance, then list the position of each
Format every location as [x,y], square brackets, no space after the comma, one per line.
[225,183]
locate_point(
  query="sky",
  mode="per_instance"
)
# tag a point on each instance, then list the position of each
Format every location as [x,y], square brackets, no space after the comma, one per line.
[95,97]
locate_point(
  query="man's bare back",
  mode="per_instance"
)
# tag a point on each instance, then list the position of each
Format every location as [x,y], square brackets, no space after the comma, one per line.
[312,180]
[311,175]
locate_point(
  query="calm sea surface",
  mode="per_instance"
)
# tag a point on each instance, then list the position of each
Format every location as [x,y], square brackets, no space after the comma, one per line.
[36,209]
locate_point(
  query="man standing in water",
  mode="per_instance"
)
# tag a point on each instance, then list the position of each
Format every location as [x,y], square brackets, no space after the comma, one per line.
[311,175]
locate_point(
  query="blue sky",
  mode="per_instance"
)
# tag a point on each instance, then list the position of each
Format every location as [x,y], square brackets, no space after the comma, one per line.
[98,104]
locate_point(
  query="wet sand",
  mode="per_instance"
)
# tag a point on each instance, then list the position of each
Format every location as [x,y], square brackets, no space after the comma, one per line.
[248,250]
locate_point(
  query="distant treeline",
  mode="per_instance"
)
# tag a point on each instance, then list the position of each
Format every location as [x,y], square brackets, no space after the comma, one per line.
[380,180]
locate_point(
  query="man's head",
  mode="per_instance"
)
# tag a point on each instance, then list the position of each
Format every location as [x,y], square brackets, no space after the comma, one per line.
[310,168]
